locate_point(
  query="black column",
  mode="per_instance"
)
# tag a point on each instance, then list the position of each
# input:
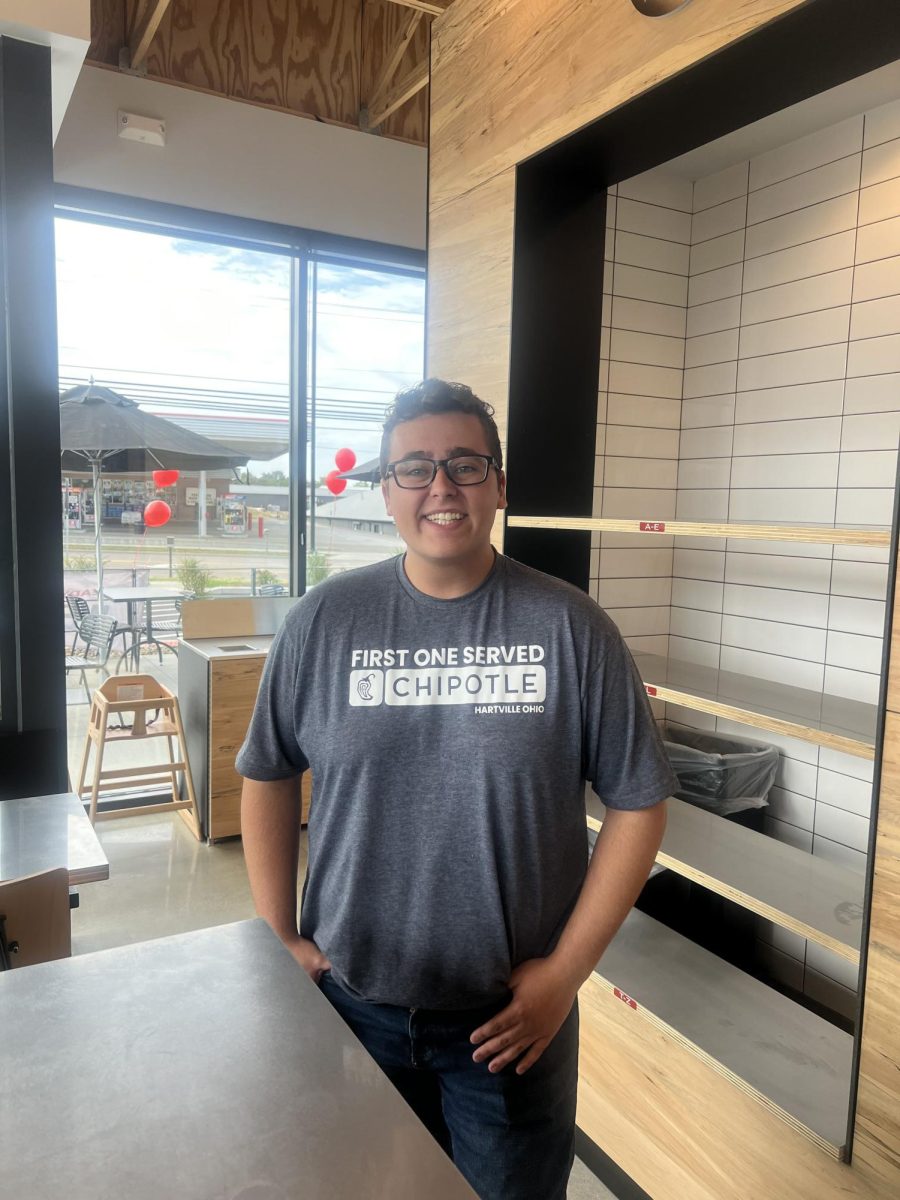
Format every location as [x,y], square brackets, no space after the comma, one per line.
[555,360]
[32,677]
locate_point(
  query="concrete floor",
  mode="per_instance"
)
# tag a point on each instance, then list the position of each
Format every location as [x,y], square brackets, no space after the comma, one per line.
[163,881]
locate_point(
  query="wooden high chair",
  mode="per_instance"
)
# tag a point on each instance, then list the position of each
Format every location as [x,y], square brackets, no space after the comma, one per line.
[155,714]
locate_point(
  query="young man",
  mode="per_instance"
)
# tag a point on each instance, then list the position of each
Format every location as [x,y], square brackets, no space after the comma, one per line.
[451,704]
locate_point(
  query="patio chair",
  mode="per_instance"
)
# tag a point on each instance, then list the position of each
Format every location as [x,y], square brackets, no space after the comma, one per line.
[78,610]
[164,629]
[98,633]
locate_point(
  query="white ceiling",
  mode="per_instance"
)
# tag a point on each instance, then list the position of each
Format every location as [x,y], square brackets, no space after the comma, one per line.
[64,26]
[856,96]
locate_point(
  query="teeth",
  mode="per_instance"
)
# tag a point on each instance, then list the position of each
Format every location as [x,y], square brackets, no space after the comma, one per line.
[444,518]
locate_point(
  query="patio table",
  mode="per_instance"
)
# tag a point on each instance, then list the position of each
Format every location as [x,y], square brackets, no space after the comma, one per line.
[132,597]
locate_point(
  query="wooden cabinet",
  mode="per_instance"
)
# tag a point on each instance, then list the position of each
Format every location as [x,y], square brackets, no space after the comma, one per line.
[217,694]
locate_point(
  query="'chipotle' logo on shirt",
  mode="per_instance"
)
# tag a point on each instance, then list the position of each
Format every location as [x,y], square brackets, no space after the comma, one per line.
[493,678]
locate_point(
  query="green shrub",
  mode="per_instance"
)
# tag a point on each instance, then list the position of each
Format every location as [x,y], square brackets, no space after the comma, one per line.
[78,562]
[192,577]
[316,568]
[264,576]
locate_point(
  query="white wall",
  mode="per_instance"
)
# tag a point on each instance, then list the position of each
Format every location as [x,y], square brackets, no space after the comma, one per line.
[639,411]
[242,159]
[777,279]
[792,364]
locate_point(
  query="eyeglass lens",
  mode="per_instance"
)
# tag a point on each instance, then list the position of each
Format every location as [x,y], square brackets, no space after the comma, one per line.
[419,472]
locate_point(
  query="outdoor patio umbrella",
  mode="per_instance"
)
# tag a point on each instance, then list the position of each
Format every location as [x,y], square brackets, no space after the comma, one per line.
[102,428]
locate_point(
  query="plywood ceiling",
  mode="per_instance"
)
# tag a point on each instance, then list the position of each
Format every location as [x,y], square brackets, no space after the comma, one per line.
[357,63]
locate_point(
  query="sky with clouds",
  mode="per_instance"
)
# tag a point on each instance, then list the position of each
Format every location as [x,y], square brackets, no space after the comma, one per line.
[188,327]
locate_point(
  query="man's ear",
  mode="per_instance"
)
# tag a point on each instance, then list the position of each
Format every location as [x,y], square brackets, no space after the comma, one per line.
[386,496]
[501,498]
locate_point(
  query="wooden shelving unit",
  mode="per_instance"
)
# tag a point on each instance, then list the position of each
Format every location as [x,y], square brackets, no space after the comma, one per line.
[794,1063]
[811,896]
[822,534]
[845,725]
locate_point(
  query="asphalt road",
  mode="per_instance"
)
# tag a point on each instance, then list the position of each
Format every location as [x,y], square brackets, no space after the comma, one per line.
[229,554]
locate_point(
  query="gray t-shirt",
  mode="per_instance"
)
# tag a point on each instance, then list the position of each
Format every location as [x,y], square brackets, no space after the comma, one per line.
[449,742]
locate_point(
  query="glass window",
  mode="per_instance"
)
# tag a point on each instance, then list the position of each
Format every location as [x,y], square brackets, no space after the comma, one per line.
[194,337]
[198,335]
[367,341]
[257,346]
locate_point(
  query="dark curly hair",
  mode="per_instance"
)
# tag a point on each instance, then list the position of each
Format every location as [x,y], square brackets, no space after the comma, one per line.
[438,396]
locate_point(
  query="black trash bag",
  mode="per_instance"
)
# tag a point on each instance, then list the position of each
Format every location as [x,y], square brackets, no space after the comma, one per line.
[724,775]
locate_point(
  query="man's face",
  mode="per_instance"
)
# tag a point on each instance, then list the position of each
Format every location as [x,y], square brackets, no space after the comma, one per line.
[444,523]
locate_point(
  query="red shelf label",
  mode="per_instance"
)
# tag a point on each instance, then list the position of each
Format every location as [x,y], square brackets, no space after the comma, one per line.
[651,690]
[653,526]
[625,998]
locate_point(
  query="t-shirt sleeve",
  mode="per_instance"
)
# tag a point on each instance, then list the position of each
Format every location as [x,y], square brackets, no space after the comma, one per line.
[625,762]
[270,750]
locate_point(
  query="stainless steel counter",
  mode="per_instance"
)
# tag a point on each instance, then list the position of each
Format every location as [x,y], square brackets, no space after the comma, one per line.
[41,832]
[205,1066]
[229,647]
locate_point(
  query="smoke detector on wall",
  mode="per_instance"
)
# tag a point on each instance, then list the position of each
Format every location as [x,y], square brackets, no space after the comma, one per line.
[142,129]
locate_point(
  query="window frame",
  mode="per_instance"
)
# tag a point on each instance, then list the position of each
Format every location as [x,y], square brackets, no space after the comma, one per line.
[304,247]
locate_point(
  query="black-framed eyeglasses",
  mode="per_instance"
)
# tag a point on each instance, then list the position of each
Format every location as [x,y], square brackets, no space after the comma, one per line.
[463,470]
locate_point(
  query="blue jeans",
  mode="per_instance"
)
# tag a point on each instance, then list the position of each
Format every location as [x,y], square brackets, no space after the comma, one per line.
[512,1136]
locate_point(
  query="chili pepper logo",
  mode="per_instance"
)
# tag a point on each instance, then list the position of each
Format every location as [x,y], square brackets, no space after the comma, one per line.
[364,687]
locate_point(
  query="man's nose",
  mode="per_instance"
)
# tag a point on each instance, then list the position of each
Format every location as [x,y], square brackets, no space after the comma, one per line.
[442,482]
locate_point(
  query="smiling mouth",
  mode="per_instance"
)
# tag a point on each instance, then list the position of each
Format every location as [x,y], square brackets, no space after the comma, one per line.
[444,518]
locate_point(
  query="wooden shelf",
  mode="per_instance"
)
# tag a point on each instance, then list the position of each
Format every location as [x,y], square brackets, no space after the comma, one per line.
[794,1063]
[845,725]
[823,534]
[811,896]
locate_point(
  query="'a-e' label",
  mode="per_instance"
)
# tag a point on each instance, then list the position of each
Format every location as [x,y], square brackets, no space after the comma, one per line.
[653,526]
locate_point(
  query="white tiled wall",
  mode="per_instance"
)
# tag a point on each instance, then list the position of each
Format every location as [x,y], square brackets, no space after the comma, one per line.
[785,295]
[641,384]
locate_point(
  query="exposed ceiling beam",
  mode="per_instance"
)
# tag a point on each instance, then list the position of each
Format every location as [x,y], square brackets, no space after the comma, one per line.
[148,16]
[392,61]
[433,7]
[398,95]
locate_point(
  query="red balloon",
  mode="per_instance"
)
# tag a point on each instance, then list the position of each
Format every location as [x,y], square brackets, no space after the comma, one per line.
[345,459]
[165,478]
[156,513]
[335,484]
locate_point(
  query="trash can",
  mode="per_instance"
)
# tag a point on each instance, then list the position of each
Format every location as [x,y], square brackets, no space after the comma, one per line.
[726,775]
[731,777]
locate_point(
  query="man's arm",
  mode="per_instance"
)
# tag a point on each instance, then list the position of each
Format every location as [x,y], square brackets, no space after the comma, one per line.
[545,988]
[270,829]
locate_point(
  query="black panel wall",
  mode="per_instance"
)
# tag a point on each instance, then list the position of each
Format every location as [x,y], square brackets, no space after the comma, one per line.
[32,686]
[559,235]
[556,317]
